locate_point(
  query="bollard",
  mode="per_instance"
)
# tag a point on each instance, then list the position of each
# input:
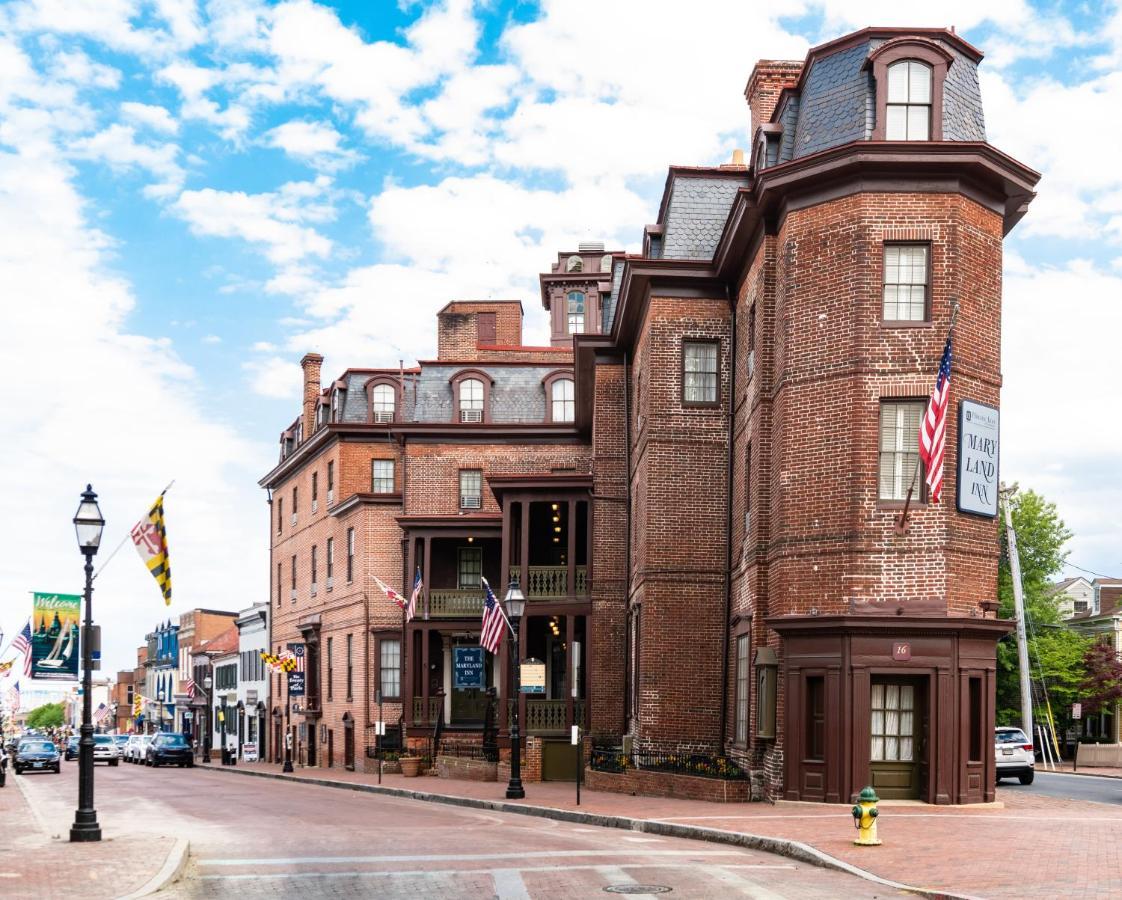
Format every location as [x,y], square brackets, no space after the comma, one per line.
[865,818]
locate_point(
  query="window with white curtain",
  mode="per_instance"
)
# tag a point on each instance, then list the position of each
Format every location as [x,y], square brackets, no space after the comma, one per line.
[699,372]
[908,111]
[564,408]
[471,394]
[899,448]
[892,725]
[382,402]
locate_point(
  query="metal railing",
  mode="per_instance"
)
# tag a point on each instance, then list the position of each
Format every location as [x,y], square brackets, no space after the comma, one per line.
[551,581]
[467,750]
[423,716]
[548,716]
[446,603]
[698,764]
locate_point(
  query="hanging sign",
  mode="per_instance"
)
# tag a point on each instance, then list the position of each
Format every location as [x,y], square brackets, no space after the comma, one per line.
[468,669]
[296,681]
[978,446]
[54,636]
[532,677]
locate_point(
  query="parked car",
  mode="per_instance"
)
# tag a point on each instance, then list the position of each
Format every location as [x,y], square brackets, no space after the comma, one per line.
[169,748]
[37,755]
[139,749]
[1013,752]
[105,750]
[71,751]
[121,740]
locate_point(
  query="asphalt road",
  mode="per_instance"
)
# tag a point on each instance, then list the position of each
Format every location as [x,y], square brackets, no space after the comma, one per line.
[1067,786]
[253,837]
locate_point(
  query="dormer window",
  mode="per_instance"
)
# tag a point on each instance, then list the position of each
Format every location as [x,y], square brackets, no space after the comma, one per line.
[606,264]
[471,400]
[908,113]
[574,264]
[563,408]
[575,310]
[382,402]
[336,405]
[471,396]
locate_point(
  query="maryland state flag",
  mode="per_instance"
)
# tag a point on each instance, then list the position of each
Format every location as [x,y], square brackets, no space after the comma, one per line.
[151,540]
[137,706]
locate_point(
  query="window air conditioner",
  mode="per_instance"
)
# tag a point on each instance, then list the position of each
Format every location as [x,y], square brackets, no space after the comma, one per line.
[315,505]
[383,415]
[293,519]
[292,595]
[470,502]
[315,589]
[330,583]
[331,496]
[471,415]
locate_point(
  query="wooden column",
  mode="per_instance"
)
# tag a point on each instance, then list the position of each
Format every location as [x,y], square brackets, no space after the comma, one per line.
[571,553]
[425,679]
[570,631]
[524,577]
[425,576]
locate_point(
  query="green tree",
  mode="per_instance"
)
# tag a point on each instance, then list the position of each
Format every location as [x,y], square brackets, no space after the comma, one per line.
[1056,654]
[49,715]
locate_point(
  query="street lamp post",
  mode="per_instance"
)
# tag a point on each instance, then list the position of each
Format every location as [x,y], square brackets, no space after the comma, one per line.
[208,683]
[160,722]
[88,525]
[222,719]
[515,602]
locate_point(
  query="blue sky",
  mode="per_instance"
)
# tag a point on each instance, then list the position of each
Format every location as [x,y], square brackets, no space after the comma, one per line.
[193,194]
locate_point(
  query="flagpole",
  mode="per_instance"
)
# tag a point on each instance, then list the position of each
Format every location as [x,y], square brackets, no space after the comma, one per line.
[902,524]
[128,534]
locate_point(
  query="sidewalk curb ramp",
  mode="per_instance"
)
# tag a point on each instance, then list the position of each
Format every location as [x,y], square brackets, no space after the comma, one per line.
[172,868]
[796,850]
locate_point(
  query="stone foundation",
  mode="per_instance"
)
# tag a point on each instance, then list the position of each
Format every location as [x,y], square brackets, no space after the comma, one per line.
[466,769]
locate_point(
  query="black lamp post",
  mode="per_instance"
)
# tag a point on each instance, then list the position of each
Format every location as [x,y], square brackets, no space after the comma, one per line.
[222,719]
[208,683]
[515,602]
[88,524]
[160,697]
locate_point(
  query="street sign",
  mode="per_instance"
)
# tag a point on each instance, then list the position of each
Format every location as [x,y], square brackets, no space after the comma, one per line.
[574,739]
[1077,710]
[249,752]
[380,729]
[532,677]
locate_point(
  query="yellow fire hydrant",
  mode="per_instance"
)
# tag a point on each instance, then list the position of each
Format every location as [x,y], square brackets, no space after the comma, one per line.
[865,818]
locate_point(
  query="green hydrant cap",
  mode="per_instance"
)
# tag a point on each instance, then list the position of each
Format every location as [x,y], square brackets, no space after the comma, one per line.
[868,795]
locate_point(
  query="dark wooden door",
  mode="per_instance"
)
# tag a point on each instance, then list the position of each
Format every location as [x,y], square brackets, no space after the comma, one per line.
[330,748]
[349,747]
[895,735]
[559,761]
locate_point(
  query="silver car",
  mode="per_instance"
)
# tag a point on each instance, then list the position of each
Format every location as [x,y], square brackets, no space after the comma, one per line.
[105,750]
[1013,753]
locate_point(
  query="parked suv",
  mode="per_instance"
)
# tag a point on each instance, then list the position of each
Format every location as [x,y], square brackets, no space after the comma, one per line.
[1013,752]
[169,749]
[71,749]
[105,750]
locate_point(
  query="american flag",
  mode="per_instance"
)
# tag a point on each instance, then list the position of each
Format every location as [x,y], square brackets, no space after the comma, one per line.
[191,688]
[100,713]
[13,699]
[494,621]
[298,653]
[21,643]
[418,585]
[933,428]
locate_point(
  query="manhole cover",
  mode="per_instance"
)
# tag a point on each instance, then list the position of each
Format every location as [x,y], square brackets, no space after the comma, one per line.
[638,889]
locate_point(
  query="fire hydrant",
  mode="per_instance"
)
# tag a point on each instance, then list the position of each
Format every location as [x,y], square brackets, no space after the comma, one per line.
[865,818]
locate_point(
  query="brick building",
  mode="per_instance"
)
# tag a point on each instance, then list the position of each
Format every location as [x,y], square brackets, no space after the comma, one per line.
[196,626]
[121,701]
[703,487]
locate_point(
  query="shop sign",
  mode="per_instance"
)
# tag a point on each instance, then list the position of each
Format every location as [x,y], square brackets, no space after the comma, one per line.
[295,684]
[978,446]
[532,677]
[249,752]
[468,670]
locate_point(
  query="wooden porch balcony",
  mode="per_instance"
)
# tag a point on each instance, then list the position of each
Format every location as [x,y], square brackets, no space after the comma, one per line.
[550,581]
[548,717]
[448,603]
[423,715]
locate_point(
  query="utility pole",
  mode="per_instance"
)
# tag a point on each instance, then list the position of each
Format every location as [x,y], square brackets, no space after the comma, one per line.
[1019,613]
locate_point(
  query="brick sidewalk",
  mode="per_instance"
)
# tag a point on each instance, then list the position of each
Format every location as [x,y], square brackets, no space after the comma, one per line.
[38,862]
[1026,846]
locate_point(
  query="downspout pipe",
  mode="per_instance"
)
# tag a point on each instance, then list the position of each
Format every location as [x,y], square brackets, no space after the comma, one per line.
[728,527]
[627,538]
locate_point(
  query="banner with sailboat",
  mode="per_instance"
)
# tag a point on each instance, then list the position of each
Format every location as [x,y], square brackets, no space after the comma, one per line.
[54,636]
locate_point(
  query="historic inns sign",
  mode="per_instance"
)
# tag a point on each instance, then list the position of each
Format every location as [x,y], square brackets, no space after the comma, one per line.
[978,439]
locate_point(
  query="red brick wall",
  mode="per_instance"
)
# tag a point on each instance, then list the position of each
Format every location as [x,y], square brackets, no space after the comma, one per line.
[457,333]
[769,77]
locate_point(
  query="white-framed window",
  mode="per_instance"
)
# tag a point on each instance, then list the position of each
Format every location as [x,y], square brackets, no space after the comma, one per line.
[899,447]
[471,400]
[381,476]
[336,406]
[562,400]
[469,568]
[699,372]
[575,264]
[382,402]
[905,282]
[908,112]
[574,308]
[471,488]
[892,723]
[389,667]
[743,680]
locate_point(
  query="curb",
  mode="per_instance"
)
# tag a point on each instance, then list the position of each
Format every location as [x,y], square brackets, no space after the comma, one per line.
[796,850]
[172,868]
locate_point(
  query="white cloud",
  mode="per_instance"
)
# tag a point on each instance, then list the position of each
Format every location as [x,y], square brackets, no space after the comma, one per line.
[193,83]
[276,376]
[212,339]
[278,221]
[117,146]
[315,143]
[77,68]
[155,117]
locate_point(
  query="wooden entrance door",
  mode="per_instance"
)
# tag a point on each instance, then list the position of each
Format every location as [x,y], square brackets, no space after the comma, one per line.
[349,745]
[896,711]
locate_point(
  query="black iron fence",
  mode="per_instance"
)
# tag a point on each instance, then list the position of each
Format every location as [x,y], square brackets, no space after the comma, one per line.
[615,760]
[469,750]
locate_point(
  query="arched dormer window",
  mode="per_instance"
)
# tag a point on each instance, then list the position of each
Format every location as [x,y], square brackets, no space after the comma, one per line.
[560,396]
[574,264]
[909,74]
[606,264]
[574,310]
[383,394]
[471,396]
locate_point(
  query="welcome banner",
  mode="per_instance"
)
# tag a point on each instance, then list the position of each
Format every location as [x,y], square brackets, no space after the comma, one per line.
[54,636]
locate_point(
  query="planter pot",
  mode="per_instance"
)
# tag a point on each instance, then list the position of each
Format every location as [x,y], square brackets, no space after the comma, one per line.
[410,766]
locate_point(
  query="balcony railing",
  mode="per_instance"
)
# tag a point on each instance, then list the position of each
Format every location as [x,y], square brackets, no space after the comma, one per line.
[421,716]
[455,604]
[548,716]
[551,581]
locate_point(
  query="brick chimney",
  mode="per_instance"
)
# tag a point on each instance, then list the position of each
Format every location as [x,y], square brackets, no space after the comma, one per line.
[769,77]
[311,364]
